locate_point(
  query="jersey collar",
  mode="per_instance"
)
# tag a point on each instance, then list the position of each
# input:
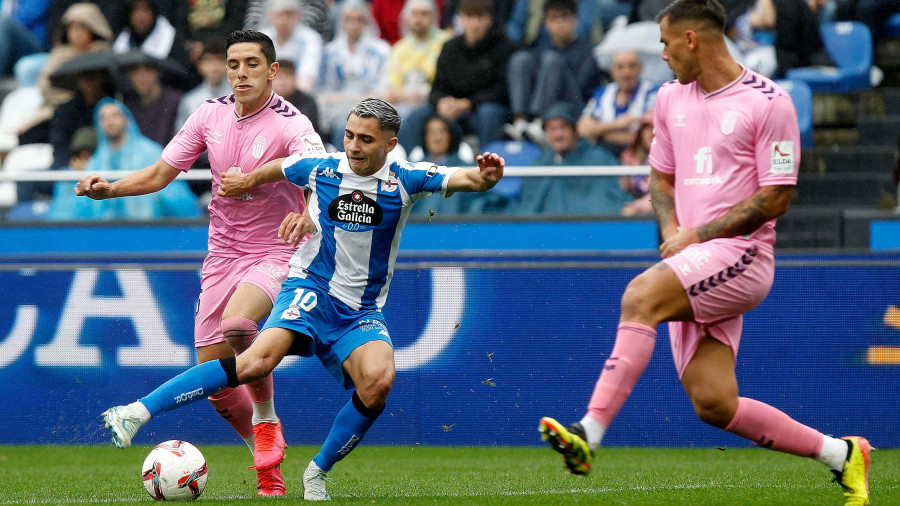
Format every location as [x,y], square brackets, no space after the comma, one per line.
[383,173]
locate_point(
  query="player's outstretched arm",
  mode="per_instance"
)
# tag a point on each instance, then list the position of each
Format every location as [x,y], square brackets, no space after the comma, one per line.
[478,179]
[767,203]
[238,183]
[147,180]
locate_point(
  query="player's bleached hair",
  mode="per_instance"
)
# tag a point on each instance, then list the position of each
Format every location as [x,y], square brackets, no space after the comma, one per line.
[708,12]
[385,113]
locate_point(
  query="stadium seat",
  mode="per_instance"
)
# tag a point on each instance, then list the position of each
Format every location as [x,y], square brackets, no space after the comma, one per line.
[24,158]
[802,97]
[17,108]
[508,190]
[516,154]
[891,26]
[850,45]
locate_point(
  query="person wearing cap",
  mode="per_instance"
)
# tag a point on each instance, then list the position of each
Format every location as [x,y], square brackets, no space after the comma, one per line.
[570,194]
[154,104]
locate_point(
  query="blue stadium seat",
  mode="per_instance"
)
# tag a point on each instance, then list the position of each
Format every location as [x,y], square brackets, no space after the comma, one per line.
[508,190]
[891,26]
[850,45]
[802,97]
[516,154]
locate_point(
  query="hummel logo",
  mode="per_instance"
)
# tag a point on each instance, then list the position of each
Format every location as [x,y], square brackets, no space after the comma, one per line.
[679,119]
[217,135]
[328,172]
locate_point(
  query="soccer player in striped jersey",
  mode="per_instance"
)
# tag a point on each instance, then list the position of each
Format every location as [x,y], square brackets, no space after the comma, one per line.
[330,304]
[725,157]
[246,263]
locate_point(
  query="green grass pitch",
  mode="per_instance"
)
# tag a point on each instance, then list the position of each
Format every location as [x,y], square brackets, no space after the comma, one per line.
[453,475]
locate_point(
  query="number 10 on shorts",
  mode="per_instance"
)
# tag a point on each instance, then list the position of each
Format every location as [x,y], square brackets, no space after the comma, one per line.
[305,300]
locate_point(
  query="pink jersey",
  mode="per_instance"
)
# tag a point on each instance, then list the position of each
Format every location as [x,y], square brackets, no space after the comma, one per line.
[723,146]
[248,223]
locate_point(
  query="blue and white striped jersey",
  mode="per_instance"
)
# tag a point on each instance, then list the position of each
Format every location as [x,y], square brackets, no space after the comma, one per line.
[359,222]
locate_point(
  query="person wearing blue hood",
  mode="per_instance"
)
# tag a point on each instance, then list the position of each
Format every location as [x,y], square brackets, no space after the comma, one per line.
[120,146]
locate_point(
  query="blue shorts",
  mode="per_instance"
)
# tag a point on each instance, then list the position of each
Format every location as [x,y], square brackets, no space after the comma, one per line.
[334,330]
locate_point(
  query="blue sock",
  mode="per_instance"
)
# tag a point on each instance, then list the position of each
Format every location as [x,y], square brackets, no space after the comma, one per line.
[198,382]
[350,425]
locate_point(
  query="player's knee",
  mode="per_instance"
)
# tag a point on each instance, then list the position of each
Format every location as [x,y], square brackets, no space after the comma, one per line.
[639,301]
[374,385]
[714,407]
[239,332]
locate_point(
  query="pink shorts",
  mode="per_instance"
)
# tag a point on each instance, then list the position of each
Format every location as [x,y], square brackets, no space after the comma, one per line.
[220,278]
[723,279]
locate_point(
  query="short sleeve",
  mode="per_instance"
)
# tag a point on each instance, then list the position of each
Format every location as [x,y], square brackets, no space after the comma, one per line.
[662,156]
[303,138]
[425,178]
[188,144]
[298,167]
[778,144]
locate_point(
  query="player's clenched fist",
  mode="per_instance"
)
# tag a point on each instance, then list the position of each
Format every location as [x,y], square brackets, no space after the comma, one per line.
[93,186]
[294,228]
[233,184]
[491,165]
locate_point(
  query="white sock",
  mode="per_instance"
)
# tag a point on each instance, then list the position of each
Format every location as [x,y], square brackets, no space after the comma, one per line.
[140,410]
[251,442]
[593,430]
[264,412]
[834,453]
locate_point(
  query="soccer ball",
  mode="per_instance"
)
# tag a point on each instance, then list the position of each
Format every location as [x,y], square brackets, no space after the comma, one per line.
[174,471]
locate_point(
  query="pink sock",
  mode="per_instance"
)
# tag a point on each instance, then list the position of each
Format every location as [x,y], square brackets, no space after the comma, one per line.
[629,357]
[240,333]
[770,428]
[234,406]
[262,389]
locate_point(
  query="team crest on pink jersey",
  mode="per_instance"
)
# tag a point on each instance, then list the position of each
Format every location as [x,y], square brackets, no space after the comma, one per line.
[729,119]
[259,147]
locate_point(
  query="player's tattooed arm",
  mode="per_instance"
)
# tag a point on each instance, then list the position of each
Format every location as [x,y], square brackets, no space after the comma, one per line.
[746,217]
[662,198]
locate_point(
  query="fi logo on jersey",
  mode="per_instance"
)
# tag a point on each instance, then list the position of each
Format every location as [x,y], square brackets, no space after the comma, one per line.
[782,157]
[354,212]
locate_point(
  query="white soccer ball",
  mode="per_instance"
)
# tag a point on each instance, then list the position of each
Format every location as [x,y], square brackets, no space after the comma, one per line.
[174,471]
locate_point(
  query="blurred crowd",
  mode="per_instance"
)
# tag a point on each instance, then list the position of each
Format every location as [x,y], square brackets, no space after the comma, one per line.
[544,82]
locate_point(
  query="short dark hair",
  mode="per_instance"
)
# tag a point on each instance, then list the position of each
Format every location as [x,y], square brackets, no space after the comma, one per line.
[385,113]
[265,43]
[287,66]
[476,7]
[709,12]
[561,5]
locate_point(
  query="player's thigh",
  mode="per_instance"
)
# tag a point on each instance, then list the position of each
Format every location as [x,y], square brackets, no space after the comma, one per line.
[371,362]
[258,281]
[655,295]
[248,301]
[710,372]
